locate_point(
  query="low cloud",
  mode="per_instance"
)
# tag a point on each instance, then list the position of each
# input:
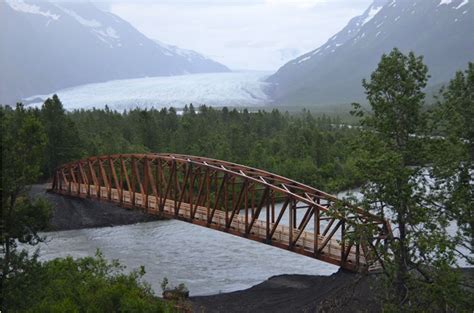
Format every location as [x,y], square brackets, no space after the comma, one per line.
[243,34]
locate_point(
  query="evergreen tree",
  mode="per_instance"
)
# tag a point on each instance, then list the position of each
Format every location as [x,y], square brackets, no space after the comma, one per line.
[63,140]
[22,145]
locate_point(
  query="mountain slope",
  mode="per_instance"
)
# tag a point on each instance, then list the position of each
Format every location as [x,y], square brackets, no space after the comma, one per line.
[46,46]
[441,31]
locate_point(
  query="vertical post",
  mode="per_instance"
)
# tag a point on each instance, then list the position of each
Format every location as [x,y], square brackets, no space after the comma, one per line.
[88,187]
[316,220]
[94,178]
[253,201]
[105,179]
[99,183]
[208,195]
[267,219]
[69,187]
[76,182]
[132,192]
[216,187]
[127,180]
[191,192]
[273,207]
[226,199]
[292,223]
[146,180]
[295,221]
[159,186]
[121,180]
[175,193]
[246,198]
[343,244]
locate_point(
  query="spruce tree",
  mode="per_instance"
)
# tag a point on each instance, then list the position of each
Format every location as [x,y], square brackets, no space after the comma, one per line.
[63,141]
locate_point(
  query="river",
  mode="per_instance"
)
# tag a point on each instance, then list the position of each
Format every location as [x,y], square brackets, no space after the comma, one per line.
[205,260]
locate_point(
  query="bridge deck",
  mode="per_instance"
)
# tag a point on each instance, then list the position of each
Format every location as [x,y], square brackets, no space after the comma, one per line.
[304,245]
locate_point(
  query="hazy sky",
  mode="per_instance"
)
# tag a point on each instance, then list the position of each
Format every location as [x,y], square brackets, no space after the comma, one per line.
[242,34]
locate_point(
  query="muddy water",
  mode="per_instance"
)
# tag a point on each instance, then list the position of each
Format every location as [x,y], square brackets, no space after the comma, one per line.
[207,261]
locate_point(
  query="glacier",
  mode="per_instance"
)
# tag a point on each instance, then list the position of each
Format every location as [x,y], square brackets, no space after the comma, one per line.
[234,89]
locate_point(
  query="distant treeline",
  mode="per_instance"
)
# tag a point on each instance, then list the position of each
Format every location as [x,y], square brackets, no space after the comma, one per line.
[308,148]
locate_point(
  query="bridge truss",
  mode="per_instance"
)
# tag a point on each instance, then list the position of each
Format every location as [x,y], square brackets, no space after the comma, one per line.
[232,198]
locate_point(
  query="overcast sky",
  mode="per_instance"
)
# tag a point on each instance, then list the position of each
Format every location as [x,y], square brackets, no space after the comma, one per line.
[242,34]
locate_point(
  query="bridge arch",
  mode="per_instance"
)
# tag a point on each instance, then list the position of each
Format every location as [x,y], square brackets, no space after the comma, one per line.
[233,198]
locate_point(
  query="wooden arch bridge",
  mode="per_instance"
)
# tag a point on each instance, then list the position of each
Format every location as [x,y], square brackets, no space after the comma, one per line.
[232,198]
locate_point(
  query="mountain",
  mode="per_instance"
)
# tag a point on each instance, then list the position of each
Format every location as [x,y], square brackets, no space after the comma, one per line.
[441,31]
[46,46]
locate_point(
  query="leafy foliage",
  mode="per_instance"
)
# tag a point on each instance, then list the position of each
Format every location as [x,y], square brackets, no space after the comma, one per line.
[88,284]
[453,155]
[392,153]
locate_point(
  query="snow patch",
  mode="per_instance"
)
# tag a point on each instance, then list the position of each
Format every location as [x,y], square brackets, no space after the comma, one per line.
[370,15]
[81,20]
[316,51]
[304,59]
[445,2]
[104,34]
[462,4]
[21,6]
[171,50]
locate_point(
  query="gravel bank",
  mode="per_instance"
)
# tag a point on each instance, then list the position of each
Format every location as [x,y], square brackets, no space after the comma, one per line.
[340,292]
[75,213]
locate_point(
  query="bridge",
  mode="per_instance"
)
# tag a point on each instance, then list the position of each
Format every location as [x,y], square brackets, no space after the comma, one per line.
[232,198]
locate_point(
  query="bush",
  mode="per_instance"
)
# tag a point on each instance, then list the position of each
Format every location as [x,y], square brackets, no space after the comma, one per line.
[89,284]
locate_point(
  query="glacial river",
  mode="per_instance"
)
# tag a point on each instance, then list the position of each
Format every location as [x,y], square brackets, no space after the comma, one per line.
[205,260]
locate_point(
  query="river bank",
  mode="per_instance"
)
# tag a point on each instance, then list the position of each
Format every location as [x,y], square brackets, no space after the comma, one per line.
[340,292]
[70,213]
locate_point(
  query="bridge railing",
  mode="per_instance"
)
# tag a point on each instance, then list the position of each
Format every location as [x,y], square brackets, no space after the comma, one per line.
[232,198]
